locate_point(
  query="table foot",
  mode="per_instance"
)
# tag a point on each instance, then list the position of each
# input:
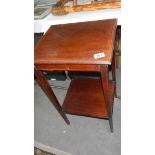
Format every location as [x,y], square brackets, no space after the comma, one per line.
[65,118]
[111,124]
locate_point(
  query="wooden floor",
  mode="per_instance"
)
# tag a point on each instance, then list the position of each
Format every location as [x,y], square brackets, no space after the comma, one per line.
[41,152]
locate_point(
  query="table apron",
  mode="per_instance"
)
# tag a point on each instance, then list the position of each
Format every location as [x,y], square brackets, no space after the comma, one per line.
[67,67]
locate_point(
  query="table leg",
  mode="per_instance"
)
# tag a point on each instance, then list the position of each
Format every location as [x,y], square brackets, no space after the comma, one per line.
[113,66]
[105,86]
[47,89]
[111,124]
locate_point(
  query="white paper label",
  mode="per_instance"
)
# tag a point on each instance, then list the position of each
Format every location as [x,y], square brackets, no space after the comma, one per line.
[99,55]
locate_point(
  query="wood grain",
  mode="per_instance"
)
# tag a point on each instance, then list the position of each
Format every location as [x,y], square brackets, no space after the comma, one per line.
[77,43]
[60,9]
[67,67]
[72,47]
[85,97]
[95,6]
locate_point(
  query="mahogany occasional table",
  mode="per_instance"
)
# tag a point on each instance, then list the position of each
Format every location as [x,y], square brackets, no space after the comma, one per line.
[85,46]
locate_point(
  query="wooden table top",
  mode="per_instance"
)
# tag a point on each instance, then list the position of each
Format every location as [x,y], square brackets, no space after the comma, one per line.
[77,43]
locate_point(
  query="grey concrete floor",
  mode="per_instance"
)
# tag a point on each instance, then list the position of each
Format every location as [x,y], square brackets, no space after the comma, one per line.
[85,135]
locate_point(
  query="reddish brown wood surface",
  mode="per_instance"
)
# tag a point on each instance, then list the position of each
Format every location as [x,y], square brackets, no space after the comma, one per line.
[47,89]
[85,97]
[77,43]
[113,66]
[72,47]
[106,88]
[68,67]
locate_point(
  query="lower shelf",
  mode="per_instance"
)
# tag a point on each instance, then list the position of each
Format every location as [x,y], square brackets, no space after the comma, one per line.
[85,97]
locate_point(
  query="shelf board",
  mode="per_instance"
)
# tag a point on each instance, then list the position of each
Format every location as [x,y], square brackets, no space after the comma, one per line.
[85,97]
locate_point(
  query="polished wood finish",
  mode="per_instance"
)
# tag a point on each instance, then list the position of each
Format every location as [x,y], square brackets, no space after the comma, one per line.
[47,89]
[113,67]
[117,41]
[72,47]
[89,100]
[68,67]
[117,46]
[91,103]
[106,88]
[77,43]
[116,53]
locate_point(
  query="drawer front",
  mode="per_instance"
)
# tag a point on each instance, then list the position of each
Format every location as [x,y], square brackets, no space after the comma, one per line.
[67,67]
